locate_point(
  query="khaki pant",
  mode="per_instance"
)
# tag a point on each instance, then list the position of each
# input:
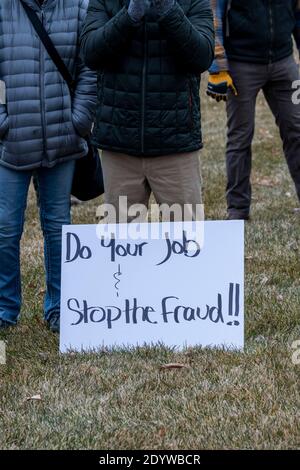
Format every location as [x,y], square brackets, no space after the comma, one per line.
[173,179]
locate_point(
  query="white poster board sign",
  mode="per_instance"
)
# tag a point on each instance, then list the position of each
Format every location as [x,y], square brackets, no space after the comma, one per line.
[125,292]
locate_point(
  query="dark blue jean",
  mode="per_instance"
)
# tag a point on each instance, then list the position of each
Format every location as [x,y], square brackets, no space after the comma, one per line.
[54,198]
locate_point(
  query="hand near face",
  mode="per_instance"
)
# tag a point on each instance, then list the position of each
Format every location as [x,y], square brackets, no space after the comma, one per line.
[137,9]
[163,6]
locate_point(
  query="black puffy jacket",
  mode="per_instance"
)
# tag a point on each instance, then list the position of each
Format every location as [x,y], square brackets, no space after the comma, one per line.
[148,75]
[260,31]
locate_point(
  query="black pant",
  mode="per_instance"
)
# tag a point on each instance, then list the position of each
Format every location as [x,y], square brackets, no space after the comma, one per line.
[276,82]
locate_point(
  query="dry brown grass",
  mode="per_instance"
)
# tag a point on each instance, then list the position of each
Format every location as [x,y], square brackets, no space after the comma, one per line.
[122,400]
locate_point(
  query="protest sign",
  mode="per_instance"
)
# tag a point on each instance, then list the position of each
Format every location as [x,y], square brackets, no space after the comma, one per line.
[179,291]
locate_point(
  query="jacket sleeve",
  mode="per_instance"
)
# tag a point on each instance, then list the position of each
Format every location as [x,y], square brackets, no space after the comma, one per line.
[85,96]
[220,12]
[297,27]
[191,35]
[103,38]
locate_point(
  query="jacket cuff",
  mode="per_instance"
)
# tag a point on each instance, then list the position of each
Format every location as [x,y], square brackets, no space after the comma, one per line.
[123,19]
[219,65]
[83,127]
[4,126]
[173,14]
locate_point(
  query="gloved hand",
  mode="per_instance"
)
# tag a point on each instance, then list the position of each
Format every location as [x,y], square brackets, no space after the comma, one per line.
[218,85]
[137,9]
[163,6]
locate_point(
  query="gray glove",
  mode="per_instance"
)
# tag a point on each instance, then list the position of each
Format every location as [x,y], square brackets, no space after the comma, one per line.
[137,9]
[163,6]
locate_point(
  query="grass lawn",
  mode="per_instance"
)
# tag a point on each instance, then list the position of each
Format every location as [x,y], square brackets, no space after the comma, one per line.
[123,400]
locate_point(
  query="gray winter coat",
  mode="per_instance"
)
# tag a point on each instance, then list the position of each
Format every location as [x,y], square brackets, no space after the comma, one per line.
[40,125]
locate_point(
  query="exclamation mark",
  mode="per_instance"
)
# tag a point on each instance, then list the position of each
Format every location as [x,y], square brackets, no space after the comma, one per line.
[237,303]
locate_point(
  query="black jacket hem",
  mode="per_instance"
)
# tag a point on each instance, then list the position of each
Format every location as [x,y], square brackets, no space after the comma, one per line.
[191,148]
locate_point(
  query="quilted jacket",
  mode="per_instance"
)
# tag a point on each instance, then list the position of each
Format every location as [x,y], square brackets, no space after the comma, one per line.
[40,124]
[148,75]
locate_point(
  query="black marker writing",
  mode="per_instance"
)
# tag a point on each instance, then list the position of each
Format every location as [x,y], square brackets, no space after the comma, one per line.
[171,310]
[74,248]
[118,273]
[117,249]
[179,312]
[233,287]
[179,248]
[109,314]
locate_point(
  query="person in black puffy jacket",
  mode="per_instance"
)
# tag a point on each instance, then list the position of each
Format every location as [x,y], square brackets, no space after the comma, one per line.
[149,56]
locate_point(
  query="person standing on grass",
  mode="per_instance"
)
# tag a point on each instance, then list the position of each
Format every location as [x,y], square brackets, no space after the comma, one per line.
[42,130]
[149,56]
[254,51]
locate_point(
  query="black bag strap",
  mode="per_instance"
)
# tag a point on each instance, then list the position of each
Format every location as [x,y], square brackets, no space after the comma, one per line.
[49,46]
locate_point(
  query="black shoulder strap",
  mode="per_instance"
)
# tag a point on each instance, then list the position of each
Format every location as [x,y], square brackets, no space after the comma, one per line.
[51,49]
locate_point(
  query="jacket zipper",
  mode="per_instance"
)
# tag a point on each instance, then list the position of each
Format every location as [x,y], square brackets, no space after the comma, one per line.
[144,89]
[42,94]
[271,31]
[191,104]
